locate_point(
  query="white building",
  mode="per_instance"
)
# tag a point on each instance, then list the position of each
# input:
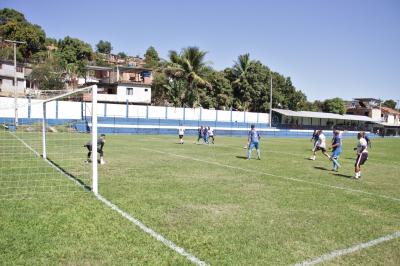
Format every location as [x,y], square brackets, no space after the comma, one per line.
[122,93]
[131,93]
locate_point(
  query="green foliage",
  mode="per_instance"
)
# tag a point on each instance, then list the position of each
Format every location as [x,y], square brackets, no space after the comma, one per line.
[335,105]
[316,106]
[122,55]
[74,51]
[151,58]
[7,15]
[100,60]
[48,75]
[104,47]
[14,26]
[189,66]
[390,103]
[158,89]
[220,92]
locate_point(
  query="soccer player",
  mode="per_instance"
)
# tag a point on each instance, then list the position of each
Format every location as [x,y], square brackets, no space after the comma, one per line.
[181,132]
[362,155]
[100,144]
[205,134]
[365,136]
[320,146]
[314,138]
[253,140]
[336,149]
[211,134]
[200,134]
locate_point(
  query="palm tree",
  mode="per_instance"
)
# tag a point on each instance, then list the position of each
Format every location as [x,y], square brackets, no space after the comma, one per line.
[189,66]
[241,66]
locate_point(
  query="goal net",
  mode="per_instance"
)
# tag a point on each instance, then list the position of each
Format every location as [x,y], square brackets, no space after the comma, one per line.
[44,148]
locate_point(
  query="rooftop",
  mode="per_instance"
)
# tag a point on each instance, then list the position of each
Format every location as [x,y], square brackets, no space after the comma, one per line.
[324,115]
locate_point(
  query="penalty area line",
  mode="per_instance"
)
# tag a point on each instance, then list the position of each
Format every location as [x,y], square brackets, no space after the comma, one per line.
[124,214]
[279,176]
[341,252]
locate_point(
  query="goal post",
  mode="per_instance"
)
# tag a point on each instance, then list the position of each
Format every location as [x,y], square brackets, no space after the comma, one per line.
[50,143]
[94,141]
[93,119]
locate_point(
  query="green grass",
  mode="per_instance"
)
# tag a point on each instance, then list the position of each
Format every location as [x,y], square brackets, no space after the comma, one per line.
[207,199]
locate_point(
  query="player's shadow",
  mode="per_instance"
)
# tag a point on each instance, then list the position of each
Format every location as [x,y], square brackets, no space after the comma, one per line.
[321,168]
[342,175]
[241,157]
[65,172]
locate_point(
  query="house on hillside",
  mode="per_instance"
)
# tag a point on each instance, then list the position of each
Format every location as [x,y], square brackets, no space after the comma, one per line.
[388,120]
[365,106]
[121,84]
[7,86]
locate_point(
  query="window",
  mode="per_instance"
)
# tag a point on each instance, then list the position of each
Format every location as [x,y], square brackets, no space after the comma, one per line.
[129,91]
[19,69]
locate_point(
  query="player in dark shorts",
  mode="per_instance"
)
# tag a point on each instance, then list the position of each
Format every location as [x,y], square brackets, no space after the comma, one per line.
[314,139]
[200,134]
[100,144]
[362,155]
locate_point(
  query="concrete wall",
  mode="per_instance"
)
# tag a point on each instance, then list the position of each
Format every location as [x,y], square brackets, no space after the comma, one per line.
[75,110]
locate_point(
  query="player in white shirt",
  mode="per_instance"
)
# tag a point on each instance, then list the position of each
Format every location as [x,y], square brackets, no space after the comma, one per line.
[321,146]
[211,134]
[181,132]
[362,155]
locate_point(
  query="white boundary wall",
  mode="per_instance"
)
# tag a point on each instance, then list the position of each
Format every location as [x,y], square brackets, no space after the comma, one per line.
[74,110]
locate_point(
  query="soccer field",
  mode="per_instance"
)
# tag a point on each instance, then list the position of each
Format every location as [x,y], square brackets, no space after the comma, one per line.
[207,199]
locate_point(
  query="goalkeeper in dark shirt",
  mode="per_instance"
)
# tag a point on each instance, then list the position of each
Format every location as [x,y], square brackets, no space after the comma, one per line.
[100,144]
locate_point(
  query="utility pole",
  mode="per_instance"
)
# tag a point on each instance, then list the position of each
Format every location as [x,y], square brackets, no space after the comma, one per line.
[15,79]
[270,103]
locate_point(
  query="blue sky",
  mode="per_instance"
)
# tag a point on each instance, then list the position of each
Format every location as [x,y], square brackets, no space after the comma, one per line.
[344,48]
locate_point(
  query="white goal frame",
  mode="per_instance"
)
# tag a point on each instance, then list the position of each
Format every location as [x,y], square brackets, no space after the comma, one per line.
[94,134]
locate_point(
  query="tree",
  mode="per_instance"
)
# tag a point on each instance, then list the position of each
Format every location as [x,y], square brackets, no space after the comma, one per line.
[390,103]
[335,105]
[241,66]
[104,47]
[48,75]
[74,51]
[122,55]
[220,94]
[9,14]
[151,58]
[189,65]
[14,26]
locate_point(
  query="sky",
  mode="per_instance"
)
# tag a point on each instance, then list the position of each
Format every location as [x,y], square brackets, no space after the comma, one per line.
[342,48]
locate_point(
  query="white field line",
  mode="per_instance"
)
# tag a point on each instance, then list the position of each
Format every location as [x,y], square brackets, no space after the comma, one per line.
[279,176]
[342,252]
[124,214]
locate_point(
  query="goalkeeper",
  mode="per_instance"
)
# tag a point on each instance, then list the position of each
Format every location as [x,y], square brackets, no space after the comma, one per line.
[100,144]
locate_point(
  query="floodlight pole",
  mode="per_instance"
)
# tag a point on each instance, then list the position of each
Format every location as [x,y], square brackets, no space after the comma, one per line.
[15,79]
[94,141]
[270,103]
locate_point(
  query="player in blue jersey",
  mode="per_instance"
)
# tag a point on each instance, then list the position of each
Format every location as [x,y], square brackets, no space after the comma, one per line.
[336,149]
[205,134]
[365,136]
[253,140]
